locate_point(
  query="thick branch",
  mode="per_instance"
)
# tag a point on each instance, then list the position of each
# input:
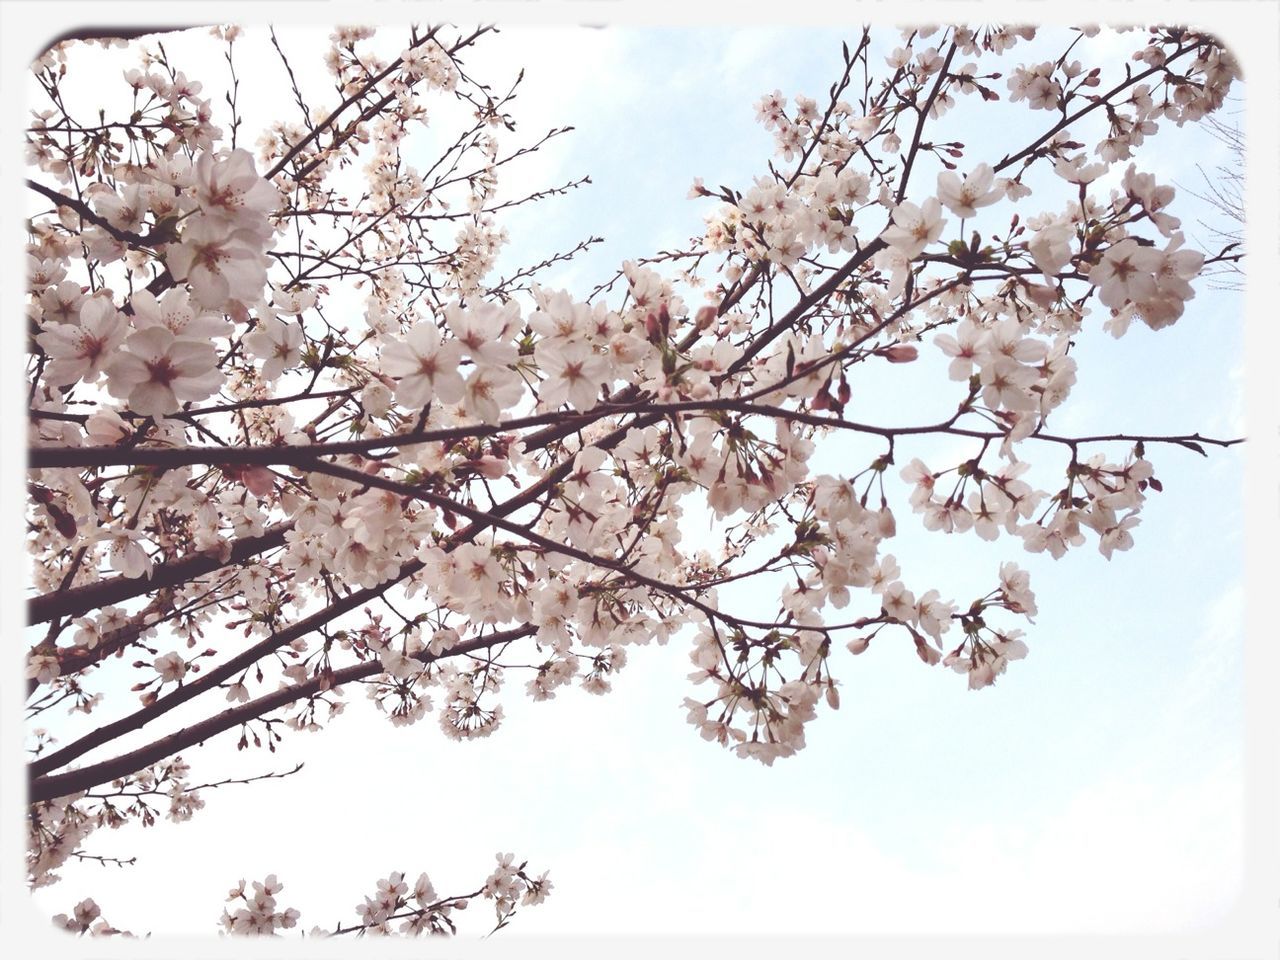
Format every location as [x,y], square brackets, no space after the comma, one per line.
[79,601]
[48,787]
[215,676]
[85,213]
[559,423]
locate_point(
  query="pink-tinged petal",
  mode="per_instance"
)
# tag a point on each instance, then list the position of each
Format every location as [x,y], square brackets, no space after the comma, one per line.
[423,338]
[124,370]
[179,259]
[198,387]
[149,344]
[449,386]
[414,392]
[398,360]
[192,357]
[150,398]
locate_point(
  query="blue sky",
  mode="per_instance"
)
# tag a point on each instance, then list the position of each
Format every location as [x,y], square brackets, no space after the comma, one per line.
[1095,788]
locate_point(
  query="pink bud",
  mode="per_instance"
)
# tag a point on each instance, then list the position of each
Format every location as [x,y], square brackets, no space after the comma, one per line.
[900,353]
[926,652]
[651,329]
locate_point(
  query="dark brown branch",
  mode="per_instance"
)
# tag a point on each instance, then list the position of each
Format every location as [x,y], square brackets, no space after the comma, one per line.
[922,117]
[355,98]
[78,601]
[90,34]
[559,423]
[85,213]
[48,787]
[215,676]
[314,622]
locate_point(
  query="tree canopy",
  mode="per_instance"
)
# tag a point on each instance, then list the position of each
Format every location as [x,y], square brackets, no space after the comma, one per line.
[294,434]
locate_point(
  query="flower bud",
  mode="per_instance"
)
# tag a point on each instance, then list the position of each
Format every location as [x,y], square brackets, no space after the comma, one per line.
[900,353]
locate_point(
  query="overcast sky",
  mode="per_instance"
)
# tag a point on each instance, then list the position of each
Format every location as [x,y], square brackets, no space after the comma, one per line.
[1097,788]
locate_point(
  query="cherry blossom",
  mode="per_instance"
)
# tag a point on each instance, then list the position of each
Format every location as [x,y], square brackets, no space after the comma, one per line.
[427,367]
[1051,248]
[343,445]
[157,372]
[977,190]
[482,330]
[79,351]
[914,227]
[171,667]
[230,191]
[575,374]
[175,312]
[276,341]
[221,263]
[1125,274]
[126,553]
[489,391]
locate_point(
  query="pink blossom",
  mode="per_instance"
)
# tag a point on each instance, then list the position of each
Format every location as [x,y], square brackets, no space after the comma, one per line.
[914,228]
[156,372]
[221,263]
[79,351]
[1126,273]
[491,390]
[229,191]
[426,365]
[277,341]
[977,190]
[574,374]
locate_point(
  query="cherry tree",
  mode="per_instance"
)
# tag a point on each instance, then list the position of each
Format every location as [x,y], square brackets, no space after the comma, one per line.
[293,435]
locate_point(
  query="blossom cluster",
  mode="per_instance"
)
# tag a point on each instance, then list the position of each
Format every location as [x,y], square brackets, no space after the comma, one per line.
[418,909]
[287,396]
[58,828]
[470,361]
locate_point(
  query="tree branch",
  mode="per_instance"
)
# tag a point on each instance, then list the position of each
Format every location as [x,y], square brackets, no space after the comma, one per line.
[47,787]
[78,601]
[213,677]
[86,213]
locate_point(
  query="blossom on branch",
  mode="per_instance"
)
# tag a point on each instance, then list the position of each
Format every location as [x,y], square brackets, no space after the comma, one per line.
[342,445]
